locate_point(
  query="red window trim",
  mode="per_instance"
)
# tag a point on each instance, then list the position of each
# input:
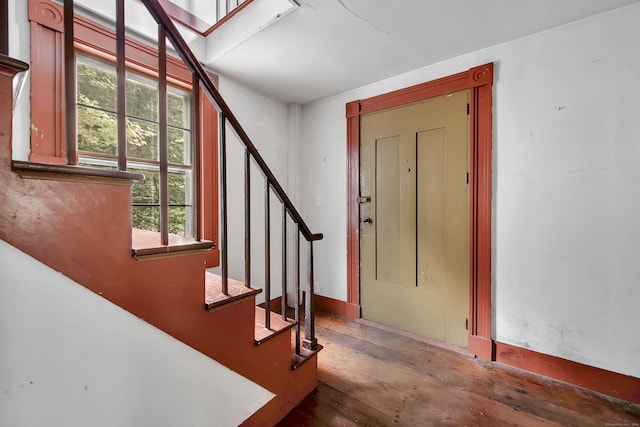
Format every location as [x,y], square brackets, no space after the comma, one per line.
[47,95]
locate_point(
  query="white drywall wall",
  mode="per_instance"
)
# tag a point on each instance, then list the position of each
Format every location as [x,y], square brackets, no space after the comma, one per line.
[72,359]
[565,205]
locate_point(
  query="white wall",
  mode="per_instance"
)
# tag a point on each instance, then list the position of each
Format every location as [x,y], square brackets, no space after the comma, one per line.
[565,208]
[72,359]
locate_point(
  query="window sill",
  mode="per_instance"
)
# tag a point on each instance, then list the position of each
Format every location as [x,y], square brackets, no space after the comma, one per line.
[74,173]
[146,245]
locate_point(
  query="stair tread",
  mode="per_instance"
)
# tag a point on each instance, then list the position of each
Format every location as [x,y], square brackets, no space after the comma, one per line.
[277,326]
[305,355]
[214,297]
[146,245]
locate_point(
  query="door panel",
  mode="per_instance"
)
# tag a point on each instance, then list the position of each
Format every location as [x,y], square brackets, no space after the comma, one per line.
[431,211]
[395,210]
[414,249]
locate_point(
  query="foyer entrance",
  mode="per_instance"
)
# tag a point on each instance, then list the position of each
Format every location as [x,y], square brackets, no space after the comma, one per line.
[414,216]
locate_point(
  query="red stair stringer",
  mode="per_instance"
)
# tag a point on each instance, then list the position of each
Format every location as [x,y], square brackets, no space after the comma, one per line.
[82,229]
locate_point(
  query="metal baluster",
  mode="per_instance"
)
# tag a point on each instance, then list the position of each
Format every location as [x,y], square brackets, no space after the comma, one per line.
[267,255]
[223,204]
[121,86]
[252,153]
[310,341]
[70,85]
[296,296]
[163,137]
[4,27]
[247,219]
[283,298]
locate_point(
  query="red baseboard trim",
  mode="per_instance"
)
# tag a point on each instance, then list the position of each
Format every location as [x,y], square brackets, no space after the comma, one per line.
[276,304]
[610,383]
[330,305]
[341,308]
[353,311]
[483,348]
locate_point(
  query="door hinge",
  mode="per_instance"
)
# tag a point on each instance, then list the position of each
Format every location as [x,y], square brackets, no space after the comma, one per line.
[365,199]
[467,108]
[467,177]
[466,324]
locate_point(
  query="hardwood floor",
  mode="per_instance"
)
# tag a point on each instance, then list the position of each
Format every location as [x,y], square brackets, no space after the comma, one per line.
[373,377]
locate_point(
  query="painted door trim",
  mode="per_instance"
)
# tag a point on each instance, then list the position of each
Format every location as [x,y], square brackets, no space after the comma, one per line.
[479,80]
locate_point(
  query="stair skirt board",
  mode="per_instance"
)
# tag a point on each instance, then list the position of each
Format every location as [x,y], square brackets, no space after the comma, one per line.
[63,346]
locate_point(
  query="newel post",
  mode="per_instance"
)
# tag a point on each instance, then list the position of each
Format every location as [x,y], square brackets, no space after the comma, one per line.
[310,342]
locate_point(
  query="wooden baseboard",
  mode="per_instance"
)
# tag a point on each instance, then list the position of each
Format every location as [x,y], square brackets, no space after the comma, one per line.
[353,311]
[483,348]
[276,304]
[341,308]
[330,305]
[607,382]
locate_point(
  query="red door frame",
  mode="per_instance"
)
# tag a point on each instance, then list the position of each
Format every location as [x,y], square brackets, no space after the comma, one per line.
[479,80]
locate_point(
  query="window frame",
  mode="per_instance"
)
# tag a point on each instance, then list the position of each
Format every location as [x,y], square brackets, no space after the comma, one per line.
[136,163]
[95,40]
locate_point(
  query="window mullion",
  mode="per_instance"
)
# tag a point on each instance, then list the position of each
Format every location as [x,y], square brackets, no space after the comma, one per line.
[195,155]
[163,135]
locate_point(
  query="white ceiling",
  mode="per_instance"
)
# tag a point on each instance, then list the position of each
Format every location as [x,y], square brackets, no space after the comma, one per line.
[325,47]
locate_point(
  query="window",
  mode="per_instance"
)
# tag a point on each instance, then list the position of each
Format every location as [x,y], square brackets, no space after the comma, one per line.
[97,141]
[97,126]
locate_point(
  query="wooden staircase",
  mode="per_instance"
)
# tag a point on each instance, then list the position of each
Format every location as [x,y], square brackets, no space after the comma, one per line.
[78,221]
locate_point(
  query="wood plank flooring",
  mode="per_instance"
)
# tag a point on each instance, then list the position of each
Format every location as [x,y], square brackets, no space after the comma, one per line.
[373,377]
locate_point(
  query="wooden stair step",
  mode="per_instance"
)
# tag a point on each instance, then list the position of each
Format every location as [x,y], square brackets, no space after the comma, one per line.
[214,298]
[278,326]
[146,245]
[298,360]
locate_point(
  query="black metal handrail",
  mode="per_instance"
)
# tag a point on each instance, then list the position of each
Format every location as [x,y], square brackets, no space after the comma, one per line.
[201,80]
[271,184]
[209,88]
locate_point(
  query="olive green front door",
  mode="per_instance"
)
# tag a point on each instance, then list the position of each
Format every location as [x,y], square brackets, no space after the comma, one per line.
[414,217]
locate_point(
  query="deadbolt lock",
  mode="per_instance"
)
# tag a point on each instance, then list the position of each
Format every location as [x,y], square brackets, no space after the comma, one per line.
[365,199]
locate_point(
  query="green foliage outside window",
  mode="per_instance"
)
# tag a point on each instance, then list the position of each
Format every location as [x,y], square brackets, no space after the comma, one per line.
[97,136]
